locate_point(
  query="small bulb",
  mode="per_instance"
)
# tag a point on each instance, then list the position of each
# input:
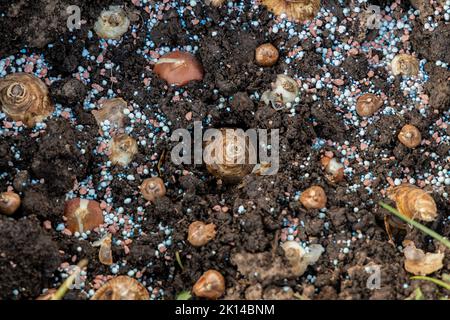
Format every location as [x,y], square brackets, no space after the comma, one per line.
[229,156]
[284,90]
[201,233]
[410,136]
[405,64]
[111,110]
[153,188]
[178,68]
[105,252]
[334,170]
[298,258]
[413,202]
[83,215]
[211,285]
[297,10]
[123,149]
[112,23]
[9,203]
[122,288]
[368,104]
[25,98]
[266,55]
[314,198]
[215,3]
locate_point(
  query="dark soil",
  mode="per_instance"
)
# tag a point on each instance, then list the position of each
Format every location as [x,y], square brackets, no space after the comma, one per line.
[51,161]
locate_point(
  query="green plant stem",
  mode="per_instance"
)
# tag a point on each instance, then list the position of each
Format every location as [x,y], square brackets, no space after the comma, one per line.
[417,225]
[62,290]
[434,280]
[178,258]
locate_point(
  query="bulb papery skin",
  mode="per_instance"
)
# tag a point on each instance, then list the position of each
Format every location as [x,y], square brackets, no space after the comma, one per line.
[405,64]
[112,23]
[296,10]
[24,97]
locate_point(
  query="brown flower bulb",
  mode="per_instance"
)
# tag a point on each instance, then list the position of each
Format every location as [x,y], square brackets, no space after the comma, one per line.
[368,104]
[201,233]
[334,170]
[105,252]
[123,148]
[314,198]
[9,203]
[112,23]
[25,98]
[420,263]
[153,188]
[178,68]
[410,136]
[230,156]
[211,285]
[122,288]
[266,55]
[111,110]
[297,10]
[405,64]
[215,3]
[83,215]
[413,202]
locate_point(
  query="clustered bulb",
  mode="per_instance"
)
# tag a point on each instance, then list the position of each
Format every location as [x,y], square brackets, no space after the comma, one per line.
[334,170]
[82,215]
[25,98]
[314,198]
[410,136]
[153,188]
[123,149]
[413,202]
[266,55]
[111,111]
[299,258]
[211,285]
[284,90]
[368,104]
[420,263]
[9,203]
[229,156]
[179,68]
[200,233]
[112,23]
[105,252]
[405,64]
[122,288]
[297,10]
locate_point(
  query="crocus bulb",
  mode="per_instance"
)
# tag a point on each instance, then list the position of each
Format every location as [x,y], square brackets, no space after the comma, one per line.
[112,23]
[410,136]
[211,285]
[153,188]
[299,258]
[405,64]
[105,252]
[314,198]
[334,170]
[200,233]
[178,68]
[229,156]
[83,215]
[122,288]
[266,55]
[9,203]
[420,263]
[368,104]
[284,90]
[413,202]
[297,10]
[123,149]
[25,98]
[111,111]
